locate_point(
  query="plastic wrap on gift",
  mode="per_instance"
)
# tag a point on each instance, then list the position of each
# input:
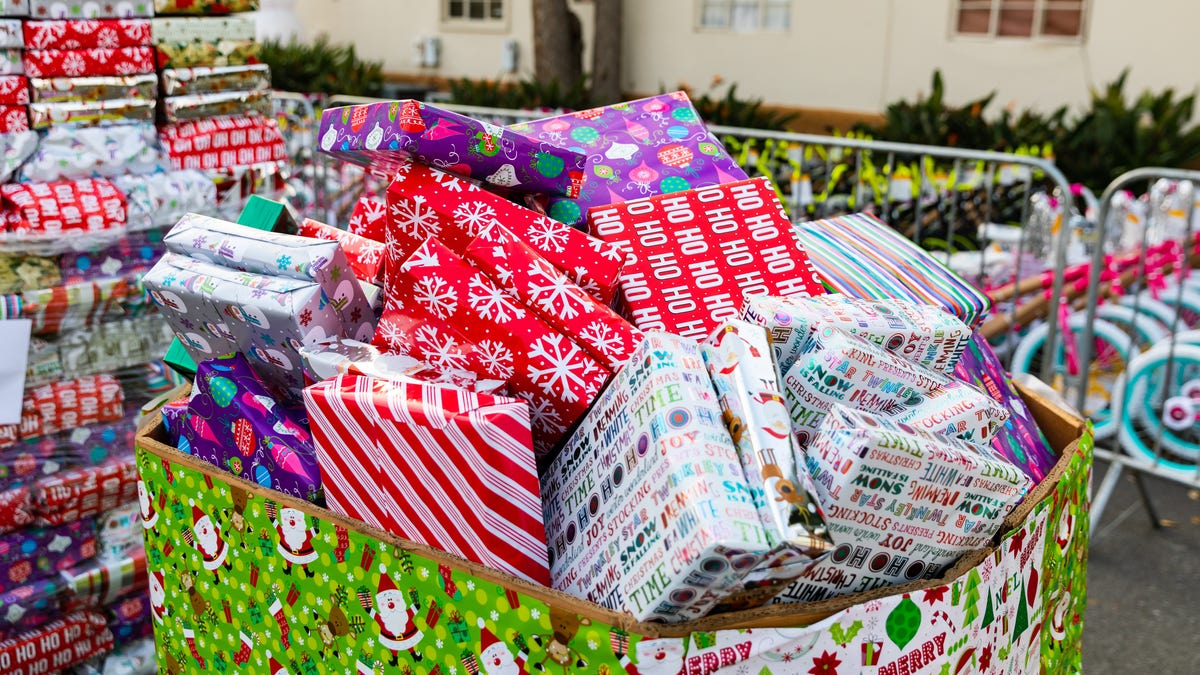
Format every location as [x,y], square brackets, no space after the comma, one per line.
[862,256]
[902,504]
[695,256]
[1020,441]
[86,491]
[442,466]
[112,345]
[80,113]
[14,90]
[67,404]
[119,532]
[365,255]
[191,81]
[204,7]
[38,458]
[90,9]
[14,7]
[216,53]
[35,553]
[521,271]
[387,135]
[15,148]
[20,272]
[636,149]
[102,582]
[96,34]
[30,605]
[201,29]
[16,508]
[11,62]
[41,649]
[90,62]
[131,624]
[161,199]
[80,305]
[235,423]
[136,657]
[134,253]
[11,36]
[197,106]
[839,367]
[101,152]
[738,358]
[682,488]
[543,366]
[424,201]
[223,143]
[63,207]
[337,356]
[76,89]
[922,334]
[13,119]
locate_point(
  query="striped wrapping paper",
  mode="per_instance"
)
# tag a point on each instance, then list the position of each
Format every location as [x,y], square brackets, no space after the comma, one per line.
[863,257]
[449,468]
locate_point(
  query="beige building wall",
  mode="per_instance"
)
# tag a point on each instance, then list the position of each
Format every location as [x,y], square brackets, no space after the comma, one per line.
[840,54]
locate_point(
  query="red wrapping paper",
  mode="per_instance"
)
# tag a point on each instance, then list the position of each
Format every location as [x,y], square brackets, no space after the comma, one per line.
[411,331]
[87,491]
[66,404]
[88,205]
[557,300]
[16,509]
[90,34]
[438,465]
[13,118]
[57,645]
[543,366]
[695,256]
[365,255]
[424,202]
[223,142]
[88,62]
[369,218]
[14,90]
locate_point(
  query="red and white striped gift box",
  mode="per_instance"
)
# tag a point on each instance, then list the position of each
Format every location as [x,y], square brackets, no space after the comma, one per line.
[449,468]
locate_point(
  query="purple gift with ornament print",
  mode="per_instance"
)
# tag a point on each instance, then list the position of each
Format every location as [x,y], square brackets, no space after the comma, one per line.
[386,135]
[635,149]
[234,422]
[35,553]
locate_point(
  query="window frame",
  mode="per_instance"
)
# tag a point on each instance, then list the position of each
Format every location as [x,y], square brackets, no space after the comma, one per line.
[468,25]
[1037,30]
[728,28]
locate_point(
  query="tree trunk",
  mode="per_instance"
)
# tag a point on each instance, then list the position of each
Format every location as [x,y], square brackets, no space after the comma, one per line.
[606,53]
[557,44]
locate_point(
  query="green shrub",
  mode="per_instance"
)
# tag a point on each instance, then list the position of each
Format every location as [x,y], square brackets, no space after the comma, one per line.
[522,95]
[321,67]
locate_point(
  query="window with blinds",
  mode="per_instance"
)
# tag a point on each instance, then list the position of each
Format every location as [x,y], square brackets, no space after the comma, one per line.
[1055,19]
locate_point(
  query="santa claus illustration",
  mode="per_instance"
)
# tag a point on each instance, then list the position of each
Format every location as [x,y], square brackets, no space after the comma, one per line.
[655,657]
[146,500]
[295,540]
[397,630]
[208,540]
[495,657]
[274,667]
[158,597]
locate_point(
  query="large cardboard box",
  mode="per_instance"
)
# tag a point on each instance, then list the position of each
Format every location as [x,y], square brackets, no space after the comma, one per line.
[229,598]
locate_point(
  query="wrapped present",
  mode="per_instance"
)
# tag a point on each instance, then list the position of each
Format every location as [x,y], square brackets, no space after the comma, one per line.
[70,404]
[695,256]
[260,293]
[103,582]
[37,458]
[223,143]
[204,7]
[15,148]
[119,532]
[14,7]
[1020,441]
[369,218]
[11,36]
[133,253]
[19,272]
[234,422]
[438,465]
[34,553]
[112,345]
[87,205]
[839,367]
[196,106]
[424,201]
[365,255]
[635,149]
[903,504]
[101,152]
[32,604]
[543,366]
[86,491]
[389,134]
[78,89]
[161,199]
[93,34]
[922,334]
[91,62]
[862,256]
[14,90]
[41,650]
[11,62]
[80,113]
[13,119]
[201,29]
[208,80]
[217,53]
[654,460]
[90,9]
[738,358]
[81,305]
[521,271]
[131,626]
[337,356]
[16,508]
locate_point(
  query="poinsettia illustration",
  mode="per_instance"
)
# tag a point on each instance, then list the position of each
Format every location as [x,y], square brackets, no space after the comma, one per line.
[825,664]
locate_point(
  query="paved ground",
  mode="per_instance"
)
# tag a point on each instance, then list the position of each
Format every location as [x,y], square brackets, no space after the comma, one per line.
[1143,611]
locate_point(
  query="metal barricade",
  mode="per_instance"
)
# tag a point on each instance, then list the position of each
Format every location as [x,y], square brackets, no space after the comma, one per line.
[1155,418]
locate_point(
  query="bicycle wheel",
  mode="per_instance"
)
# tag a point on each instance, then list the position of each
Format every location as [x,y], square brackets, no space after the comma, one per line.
[1147,304]
[1144,329]
[1141,403]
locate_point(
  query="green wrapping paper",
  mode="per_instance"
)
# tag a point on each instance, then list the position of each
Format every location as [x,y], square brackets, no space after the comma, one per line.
[218,53]
[19,272]
[63,89]
[197,106]
[204,6]
[193,29]
[43,115]
[190,81]
[89,9]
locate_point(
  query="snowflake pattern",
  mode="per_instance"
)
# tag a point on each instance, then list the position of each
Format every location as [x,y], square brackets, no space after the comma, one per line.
[492,303]
[284,262]
[392,335]
[606,250]
[543,416]
[369,255]
[436,295]
[497,359]
[474,217]
[107,38]
[548,235]
[415,219]
[553,292]
[73,64]
[440,351]
[603,338]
